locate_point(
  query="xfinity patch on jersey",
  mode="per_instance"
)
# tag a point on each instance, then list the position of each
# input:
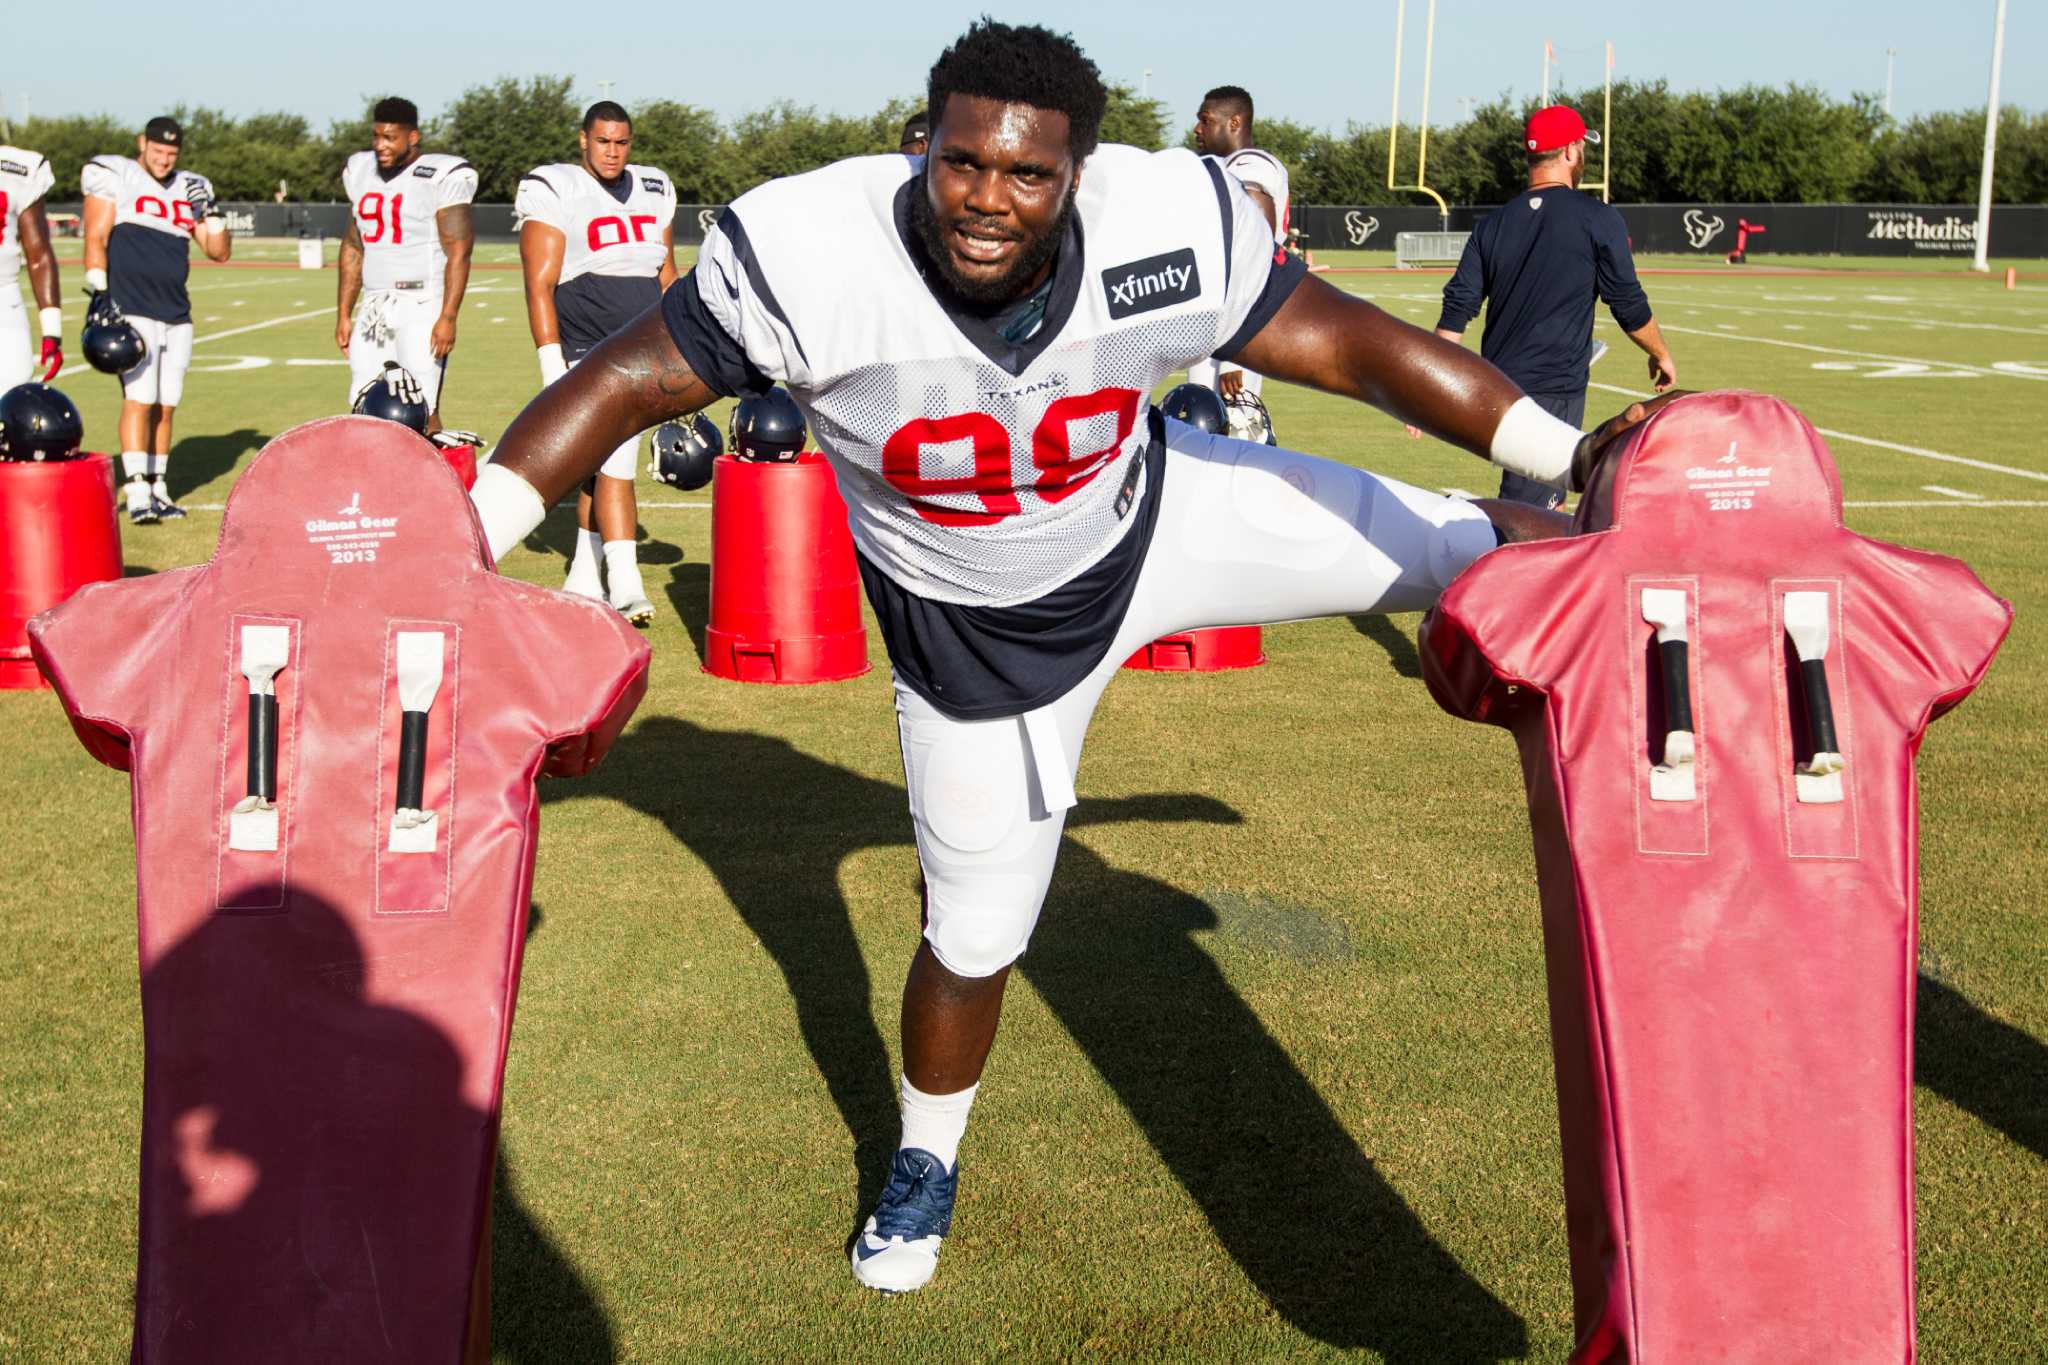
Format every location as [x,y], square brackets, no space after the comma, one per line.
[651,183]
[1153,283]
[12,168]
[424,172]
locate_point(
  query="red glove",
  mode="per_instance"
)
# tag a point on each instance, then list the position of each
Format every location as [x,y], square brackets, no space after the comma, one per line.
[53,358]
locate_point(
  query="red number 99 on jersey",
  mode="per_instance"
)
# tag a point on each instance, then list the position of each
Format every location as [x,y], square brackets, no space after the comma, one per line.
[1061,472]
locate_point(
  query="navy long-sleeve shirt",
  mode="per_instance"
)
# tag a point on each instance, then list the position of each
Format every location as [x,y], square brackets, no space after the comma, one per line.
[1539,261]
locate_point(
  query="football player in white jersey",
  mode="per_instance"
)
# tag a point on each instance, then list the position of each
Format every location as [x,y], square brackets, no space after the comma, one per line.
[974,338]
[406,252]
[597,244]
[141,217]
[25,237]
[1223,128]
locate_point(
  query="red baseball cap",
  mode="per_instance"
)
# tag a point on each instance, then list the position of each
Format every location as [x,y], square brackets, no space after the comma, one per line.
[1554,127]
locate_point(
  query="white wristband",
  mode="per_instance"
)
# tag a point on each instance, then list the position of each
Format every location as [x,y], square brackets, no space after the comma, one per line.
[1532,443]
[96,280]
[552,366]
[51,321]
[508,506]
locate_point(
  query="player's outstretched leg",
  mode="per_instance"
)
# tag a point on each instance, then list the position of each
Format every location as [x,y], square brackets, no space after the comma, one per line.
[617,516]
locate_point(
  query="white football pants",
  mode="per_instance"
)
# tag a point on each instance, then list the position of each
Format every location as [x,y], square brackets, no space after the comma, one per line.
[166,355]
[17,361]
[1247,534]
[396,324]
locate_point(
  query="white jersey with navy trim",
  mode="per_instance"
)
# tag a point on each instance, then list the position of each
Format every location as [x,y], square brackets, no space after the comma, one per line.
[25,177]
[977,470]
[148,250]
[614,229]
[395,214]
[1263,171]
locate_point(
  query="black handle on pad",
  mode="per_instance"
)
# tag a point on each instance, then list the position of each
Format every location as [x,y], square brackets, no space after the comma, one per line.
[412,760]
[263,745]
[1677,685]
[1820,707]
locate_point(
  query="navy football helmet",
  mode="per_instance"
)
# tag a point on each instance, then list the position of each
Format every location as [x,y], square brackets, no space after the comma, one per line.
[685,450]
[395,396]
[768,426]
[110,342]
[38,422]
[1197,405]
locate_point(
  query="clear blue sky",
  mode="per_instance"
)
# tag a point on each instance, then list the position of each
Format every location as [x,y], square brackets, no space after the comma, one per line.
[1330,65]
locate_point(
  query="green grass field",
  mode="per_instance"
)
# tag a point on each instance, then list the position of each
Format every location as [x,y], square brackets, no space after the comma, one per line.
[1274,1079]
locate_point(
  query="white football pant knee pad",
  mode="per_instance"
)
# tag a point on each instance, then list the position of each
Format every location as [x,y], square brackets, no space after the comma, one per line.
[621,463]
[986,861]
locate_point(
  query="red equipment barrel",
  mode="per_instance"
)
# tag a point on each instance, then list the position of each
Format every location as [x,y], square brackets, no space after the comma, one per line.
[1202,651]
[58,532]
[785,593]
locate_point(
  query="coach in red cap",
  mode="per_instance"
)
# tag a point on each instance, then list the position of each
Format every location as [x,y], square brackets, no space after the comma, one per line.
[1538,262]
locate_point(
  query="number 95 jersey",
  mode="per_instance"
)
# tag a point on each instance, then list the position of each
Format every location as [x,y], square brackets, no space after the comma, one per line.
[395,216]
[977,469]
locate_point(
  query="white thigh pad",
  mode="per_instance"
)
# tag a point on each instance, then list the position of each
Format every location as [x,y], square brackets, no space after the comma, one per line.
[623,462]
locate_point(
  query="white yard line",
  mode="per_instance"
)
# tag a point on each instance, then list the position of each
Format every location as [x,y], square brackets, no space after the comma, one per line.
[1821,312]
[1950,492]
[78,367]
[1950,502]
[1859,355]
[1919,451]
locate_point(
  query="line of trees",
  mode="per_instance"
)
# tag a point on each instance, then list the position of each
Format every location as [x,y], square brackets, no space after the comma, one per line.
[1753,144]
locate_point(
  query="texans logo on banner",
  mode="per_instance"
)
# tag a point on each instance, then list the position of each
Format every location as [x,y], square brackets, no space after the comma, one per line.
[1700,229]
[1359,227]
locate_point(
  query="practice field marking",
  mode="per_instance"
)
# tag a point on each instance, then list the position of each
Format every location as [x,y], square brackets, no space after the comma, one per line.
[79,366]
[1919,451]
[1857,355]
[1695,299]
[1946,502]
[1947,492]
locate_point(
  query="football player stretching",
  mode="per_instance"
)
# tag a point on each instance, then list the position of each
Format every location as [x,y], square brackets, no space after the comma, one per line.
[974,338]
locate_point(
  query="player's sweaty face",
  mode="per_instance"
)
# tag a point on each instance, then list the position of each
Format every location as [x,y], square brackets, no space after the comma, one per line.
[159,158]
[393,143]
[997,182]
[1210,128]
[606,147]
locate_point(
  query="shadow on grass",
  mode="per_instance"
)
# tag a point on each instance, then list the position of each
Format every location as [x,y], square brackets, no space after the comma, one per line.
[315,1184]
[556,536]
[1297,1204]
[1390,637]
[1981,1064]
[198,460]
[689,592]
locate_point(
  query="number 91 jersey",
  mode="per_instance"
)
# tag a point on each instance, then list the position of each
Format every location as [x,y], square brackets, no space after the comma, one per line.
[395,216]
[25,178]
[979,470]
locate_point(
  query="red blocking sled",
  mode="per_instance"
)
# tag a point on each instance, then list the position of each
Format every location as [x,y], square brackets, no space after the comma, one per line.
[785,592]
[1718,692]
[333,729]
[58,531]
[1211,650]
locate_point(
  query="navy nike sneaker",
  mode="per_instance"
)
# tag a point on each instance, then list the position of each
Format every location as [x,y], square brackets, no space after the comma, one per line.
[899,1249]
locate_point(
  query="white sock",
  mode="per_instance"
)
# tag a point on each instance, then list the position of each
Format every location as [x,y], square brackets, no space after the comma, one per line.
[158,488]
[138,479]
[134,462]
[622,571]
[583,577]
[936,1123]
[157,464]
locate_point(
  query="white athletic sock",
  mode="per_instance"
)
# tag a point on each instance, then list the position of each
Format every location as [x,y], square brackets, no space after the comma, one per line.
[157,465]
[622,571]
[135,462]
[936,1123]
[583,577]
[159,489]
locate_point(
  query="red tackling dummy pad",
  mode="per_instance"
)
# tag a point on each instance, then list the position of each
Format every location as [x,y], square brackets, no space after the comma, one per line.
[1729,895]
[331,931]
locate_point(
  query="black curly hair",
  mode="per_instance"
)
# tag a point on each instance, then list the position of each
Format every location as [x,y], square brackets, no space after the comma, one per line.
[1023,64]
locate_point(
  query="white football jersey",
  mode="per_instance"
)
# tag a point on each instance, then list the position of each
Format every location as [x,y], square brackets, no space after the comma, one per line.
[395,215]
[141,200]
[606,229]
[975,469]
[148,250]
[1263,171]
[24,179]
